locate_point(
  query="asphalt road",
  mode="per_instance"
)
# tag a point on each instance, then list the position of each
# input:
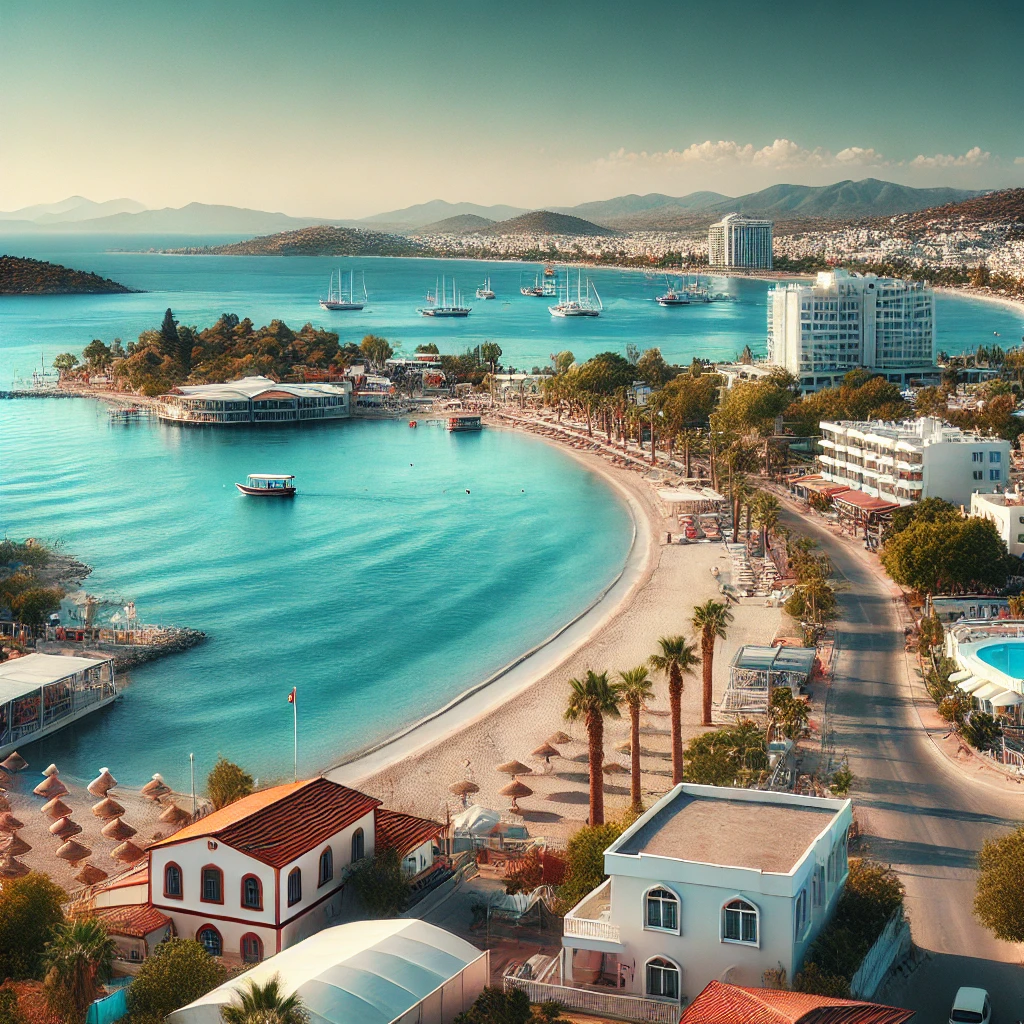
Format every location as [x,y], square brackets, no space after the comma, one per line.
[916,811]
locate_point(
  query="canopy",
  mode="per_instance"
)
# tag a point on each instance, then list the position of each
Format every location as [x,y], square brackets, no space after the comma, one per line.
[988,690]
[970,684]
[1007,699]
[22,676]
[956,677]
[476,819]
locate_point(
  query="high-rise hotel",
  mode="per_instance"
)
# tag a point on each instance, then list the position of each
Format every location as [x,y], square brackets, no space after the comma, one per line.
[739,242]
[843,321]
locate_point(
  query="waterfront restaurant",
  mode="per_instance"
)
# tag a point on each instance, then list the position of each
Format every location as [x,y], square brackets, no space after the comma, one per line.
[255,400]
[41,693]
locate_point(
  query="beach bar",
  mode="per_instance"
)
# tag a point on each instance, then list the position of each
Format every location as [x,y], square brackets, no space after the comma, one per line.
[41,693]
[756,671]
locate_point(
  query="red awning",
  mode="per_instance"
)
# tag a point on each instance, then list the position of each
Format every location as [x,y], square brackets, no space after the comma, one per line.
[864,502]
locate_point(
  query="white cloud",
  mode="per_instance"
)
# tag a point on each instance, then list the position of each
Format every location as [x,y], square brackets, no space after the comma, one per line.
[1019,160]
[781,153]
[972,158]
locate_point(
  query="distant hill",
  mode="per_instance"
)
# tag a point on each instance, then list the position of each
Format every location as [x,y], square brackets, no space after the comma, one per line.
[607,210]
[544,222]
[437,210]
[1005,207]
[323,240]
[72,209]
[458,225]
[20,276]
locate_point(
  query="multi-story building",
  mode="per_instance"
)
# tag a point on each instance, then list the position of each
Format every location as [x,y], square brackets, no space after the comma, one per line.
[255,400]
[1004,509]
[737,241]
[843,321]
[905,462]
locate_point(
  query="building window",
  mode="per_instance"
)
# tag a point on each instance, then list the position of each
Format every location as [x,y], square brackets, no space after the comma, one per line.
[326,866]
[662,978]
[994,474]
[358,845]
[213,885]
[252,949]
[211,940]
[995,456]
[978,474]
[252,893]
[294,886]
[800,915]
[818,886]
[977,456]
[172,882]
[662,910]
[739,922]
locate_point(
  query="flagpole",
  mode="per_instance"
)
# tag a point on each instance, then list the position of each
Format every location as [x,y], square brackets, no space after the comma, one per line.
[295,737]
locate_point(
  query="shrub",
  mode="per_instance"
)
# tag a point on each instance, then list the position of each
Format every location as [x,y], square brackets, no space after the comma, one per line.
[494,1006]
[981,730]
[380,884]
[227,783]
[178,971]
[584,869]
[999,895]
[30,910]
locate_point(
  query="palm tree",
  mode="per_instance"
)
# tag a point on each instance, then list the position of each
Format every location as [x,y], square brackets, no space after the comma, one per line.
[265,1004]
[766,514]
[77,960]
[635,690]
[710,620]
[675,658]
[591,699]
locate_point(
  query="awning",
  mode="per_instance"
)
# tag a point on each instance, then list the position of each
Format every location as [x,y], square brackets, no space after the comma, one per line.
[956,677]
[987,690]
[863,501]
[1007,699]
[970,685]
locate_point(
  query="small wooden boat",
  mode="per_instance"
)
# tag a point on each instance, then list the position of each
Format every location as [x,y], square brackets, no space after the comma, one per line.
[268,485]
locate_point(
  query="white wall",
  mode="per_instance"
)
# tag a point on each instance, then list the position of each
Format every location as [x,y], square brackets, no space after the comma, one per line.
[1008,520]
[949,469]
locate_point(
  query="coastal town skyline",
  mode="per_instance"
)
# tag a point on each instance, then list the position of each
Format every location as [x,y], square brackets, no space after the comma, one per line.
[349,112]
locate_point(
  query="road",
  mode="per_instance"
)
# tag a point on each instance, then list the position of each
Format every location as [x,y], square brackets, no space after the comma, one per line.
[916,811]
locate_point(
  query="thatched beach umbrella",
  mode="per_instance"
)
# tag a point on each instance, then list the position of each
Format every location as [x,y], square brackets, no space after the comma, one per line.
[14,763]
[9,823]
[559,738]
[613,768]
[65,828]
[156,788]
[102,782]
[172,814]
[5,804]
[10,867]
[50,770]
[118,829]
[463,789]
[73,851]
[89,874]
[55,808]
[624,747]
[50,787]
[127,853]
[514,768]
[546,751]
[15,846]
[517,791]
[107,808]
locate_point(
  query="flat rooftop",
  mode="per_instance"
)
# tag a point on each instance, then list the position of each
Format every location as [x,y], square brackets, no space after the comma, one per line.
[20,676]
[731,833]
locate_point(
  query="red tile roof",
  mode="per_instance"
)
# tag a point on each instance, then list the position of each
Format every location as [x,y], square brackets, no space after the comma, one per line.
[720,1003]
[279,824]
[137,920]
[864,501]
[403,832]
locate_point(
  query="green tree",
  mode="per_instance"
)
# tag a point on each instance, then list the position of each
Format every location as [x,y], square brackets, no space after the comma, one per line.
[767,511]
[696,367]
[430,349]
[726,756]
[929,510]
[33,604]
[10,1009]
[584,861]
[227,783]
[592,698]
[636,690]
[652,368]
[490,353]
[265,1003]
[381,884]
[999,891]
[711,621]
[563,361]
[787,713]
[77,961]
[65,362]
[376,349]
[675,658]
[30,911]
[96,354]
[752,406]
[605,373]
[496,1006]
[177,972]
[169,336]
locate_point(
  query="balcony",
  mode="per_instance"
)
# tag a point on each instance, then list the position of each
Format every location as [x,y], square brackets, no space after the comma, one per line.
[589,918]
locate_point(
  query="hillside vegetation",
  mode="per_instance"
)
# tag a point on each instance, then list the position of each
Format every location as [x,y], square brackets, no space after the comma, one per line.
[1005,207]
[457,225]
[321,240]
[22,276]
[544,222]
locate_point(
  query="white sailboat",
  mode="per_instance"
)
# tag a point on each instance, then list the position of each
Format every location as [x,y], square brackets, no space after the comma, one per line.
[672,296]
[342,300]
[439,306]
[583,304]
[485,291]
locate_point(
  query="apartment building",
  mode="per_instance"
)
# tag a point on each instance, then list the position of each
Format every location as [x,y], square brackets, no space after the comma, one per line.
[1005,510]
[843,321]
[740,242]
[905,462]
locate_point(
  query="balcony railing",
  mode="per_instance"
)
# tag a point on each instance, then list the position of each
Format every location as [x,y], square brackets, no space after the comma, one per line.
[601,1004]
[584,928]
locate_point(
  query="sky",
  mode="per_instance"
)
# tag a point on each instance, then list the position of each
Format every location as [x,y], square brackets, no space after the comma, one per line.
[340,109]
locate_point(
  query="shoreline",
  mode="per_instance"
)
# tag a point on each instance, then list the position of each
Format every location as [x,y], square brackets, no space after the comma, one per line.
[982,295]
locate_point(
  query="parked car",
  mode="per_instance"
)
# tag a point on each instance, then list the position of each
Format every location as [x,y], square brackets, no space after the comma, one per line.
[971,1006]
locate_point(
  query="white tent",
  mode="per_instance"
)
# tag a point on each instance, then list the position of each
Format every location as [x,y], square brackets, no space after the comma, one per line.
[477,820]
[366,972]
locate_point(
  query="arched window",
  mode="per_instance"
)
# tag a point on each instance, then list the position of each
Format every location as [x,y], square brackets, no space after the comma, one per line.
[739,922]
[172,882]
[358,845]
[800,920]
[662,910]
[252,893]
[294,886]
[662,978]
[252,948]
[326,866]
[211,940]
[213,885]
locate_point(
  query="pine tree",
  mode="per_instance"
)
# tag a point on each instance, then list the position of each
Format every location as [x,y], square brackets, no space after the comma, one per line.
[169,335]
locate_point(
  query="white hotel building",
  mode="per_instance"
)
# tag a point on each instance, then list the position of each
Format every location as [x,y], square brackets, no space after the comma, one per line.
[905,462]
[740,242]
[843,321]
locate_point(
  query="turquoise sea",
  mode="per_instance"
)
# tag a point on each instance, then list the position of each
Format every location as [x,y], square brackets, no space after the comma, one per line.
[384,589]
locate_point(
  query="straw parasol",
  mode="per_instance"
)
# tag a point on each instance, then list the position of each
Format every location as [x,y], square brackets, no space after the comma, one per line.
[73,851]
[118,829]
[127,852]
[172,814]
[65,828]
[89,874]
[5,804]
[50,787]
[559,738]
[10,867]
[156,788]
[624,747]
[107,808]
[55,808]
[50,770]
[102,782]
[517,791]
[464,788]
[14,763]
[514,768]
[613,768]
[546,750]
[9,823]
[16,846]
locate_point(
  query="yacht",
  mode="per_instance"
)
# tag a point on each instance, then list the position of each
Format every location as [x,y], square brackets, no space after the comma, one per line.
[583,304]
[341,300]
[672,297]
[268,485]
[484,291]
[536,290]
[439,306]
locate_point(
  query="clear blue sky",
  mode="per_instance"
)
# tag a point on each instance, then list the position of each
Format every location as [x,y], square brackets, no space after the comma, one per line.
[345,109]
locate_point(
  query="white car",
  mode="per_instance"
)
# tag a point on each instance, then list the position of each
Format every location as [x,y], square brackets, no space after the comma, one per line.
[971,1006]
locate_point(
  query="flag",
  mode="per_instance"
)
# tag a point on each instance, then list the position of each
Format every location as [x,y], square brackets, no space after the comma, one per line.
[291,696]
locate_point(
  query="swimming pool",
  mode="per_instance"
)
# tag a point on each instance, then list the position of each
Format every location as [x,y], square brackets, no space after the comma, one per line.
[1007,657]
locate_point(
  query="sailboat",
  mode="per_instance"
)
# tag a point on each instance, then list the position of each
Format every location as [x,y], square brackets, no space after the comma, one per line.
[340,299]
[535,290]
[671,297]
[583,304]
[442,307]
[484,291]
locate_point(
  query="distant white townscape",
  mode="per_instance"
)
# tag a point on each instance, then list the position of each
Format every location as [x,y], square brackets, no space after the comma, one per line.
[740,242]
[843,321]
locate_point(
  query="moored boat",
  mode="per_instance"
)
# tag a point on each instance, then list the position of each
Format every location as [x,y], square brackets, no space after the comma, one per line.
[583,304]
[461,422]
[268,485]
[340,300]
[441,307]
[485,291]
